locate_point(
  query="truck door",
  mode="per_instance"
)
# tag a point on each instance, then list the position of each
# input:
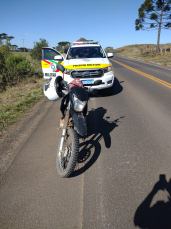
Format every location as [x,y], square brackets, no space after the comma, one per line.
[49,64]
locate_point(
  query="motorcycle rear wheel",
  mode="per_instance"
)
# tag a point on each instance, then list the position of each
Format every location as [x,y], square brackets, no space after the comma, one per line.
[66,162]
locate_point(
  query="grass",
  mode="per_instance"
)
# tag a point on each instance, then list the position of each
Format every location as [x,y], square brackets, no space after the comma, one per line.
[16,101]
[147,53]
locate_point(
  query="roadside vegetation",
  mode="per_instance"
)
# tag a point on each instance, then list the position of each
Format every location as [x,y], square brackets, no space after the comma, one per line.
[21,78]
[147,53]
[20,82]
[16,101]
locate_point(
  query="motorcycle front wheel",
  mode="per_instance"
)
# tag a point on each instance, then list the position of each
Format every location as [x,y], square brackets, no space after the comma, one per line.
[67,159]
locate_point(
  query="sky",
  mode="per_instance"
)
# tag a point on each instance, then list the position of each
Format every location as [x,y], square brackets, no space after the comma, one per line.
[111,22]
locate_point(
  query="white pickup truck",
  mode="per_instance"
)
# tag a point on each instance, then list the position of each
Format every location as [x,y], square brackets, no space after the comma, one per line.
[84,60]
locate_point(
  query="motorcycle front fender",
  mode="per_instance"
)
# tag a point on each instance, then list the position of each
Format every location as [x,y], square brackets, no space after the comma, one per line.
[80,122]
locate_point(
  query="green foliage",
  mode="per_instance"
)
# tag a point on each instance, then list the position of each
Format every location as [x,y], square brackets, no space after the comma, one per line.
[14,47]
[148,5]
[15,104]
[36,52]
[2,62]
[5,47]
[141,14]
[3,36]
[153,16]
[152,25]
[109,49]
[17,68]
[137,22]
[137,28]
[13,68]
[23,49]
[82,39]
[149,11]
[63,46]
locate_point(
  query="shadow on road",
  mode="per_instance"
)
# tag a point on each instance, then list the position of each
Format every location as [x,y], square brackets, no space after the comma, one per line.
[98,128]
[159,215]
[116,89]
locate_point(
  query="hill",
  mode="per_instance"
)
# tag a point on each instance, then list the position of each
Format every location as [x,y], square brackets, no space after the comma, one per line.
[147,52]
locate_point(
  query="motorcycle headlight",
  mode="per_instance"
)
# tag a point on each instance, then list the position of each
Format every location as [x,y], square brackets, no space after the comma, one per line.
[108,69]
[67,71]
[78,105]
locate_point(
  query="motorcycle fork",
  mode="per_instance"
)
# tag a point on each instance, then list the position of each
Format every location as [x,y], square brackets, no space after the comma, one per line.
[66,121]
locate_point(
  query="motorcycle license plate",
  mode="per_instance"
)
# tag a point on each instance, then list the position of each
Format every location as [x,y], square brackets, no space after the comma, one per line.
[90,81]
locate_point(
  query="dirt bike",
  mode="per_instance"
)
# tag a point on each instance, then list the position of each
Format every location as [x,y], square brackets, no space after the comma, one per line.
[74,107]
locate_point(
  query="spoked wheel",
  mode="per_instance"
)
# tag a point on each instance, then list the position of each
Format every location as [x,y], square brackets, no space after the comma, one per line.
[67,159]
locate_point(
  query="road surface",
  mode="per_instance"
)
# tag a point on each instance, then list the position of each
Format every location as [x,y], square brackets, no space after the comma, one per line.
[115,183]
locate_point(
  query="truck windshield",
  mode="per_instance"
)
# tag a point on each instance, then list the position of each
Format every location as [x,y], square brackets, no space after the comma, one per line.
[85,52]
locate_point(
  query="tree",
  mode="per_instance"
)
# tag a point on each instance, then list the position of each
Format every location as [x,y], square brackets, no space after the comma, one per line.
[151,15]
[22,49]
[14,47]
[3,36]
[109,47]
[5,46]
[83,39]
[5,52]
[36,52]
[10,37]
[63,45]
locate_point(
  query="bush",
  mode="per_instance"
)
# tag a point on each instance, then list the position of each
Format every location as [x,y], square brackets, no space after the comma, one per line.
[36,52]
[13,70]
[17,67]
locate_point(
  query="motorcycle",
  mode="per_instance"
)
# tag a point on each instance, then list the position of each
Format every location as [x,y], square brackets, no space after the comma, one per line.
[74,107]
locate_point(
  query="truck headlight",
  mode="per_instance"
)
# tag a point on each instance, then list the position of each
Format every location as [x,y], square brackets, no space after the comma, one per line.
[67,71]
[108,69]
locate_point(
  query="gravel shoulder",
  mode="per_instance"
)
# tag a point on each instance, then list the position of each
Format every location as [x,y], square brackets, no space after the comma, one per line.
[16,135]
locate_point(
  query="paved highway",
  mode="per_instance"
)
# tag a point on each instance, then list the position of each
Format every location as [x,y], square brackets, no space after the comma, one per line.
[122,176]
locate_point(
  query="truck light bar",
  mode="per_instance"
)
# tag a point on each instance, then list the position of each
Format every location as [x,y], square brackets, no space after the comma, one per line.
[84,42]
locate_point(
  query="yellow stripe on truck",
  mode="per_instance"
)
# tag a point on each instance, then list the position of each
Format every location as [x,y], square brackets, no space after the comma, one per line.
[83,66]
[45,65]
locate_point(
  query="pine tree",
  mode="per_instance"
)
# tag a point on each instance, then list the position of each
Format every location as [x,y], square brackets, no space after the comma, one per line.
[154,14]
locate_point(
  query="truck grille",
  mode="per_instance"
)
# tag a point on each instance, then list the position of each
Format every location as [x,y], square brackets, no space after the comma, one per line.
[95,73]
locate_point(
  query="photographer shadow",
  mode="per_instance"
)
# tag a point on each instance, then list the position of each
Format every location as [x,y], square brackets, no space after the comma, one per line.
[159,215]
[99,128]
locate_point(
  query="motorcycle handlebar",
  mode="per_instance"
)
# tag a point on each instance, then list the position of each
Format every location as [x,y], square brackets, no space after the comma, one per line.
[67,87]
[65,84]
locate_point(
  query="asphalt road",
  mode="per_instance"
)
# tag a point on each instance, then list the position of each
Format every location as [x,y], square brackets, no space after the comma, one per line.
[116,181]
